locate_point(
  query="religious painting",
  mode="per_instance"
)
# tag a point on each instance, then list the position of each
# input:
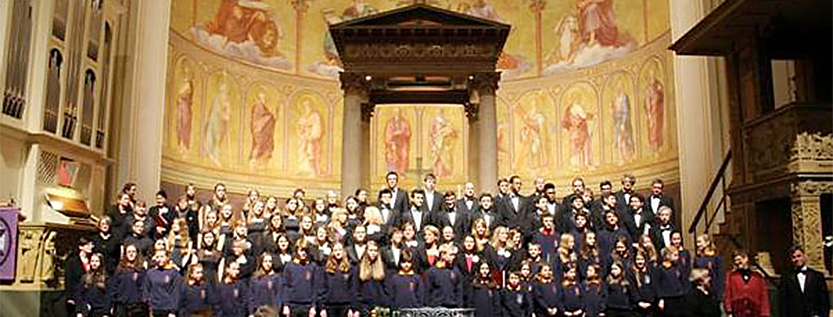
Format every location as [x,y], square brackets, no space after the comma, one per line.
[308,150]
[262,126]
[512,65]
[504,137]
[585,35]
[534,116]
[183,106]
[247,30]
[652,101]
[620,134]
[330,66]
[218,134]
[397,138]
[579,123]
[444,146]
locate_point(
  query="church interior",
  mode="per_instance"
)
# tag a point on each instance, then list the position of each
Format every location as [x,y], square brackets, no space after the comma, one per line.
[714,117]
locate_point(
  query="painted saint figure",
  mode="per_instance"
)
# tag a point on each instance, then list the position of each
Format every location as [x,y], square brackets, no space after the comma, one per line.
[216,125]
[240,21]
[655,110]
[622,131]
[442,146]
[575,122]
[263,131]
[598,23]
[184,101]
[533,145]
[310,133]
[397,143]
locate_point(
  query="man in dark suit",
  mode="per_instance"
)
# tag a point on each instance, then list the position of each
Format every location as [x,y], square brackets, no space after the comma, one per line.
[657,198]
[513,209]
[803,291]
[385,204]
[433,199]
[469,202]
[487,210]
[400,196]
[638,220]
[552,203]
[449,215]
[661,231]
[416,213]
[540,190]
[623,196]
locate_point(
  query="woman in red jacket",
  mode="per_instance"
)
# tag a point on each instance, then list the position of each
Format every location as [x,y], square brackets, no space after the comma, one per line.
[745,292]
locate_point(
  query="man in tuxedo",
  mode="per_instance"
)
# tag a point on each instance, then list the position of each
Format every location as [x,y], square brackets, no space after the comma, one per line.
[400,196]
[468,203]
[623,196]
[661,231]
[416,213]
[552,203]
[486,209]
[638,220]
[598,211]
[503,189]
[389,216]
[433,199]
[513,210]
[803,291]
[539,183]
[657,198]
[578,190]
[449,215]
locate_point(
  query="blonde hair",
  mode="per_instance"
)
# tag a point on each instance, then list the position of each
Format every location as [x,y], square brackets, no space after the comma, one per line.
[710,249]
[371,269]
[184,236]
[698,275]
[333,265]
[373,216]
[445,249]
[496,236]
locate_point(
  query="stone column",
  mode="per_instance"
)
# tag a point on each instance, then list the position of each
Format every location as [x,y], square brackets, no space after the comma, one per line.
[486,85]
[474,143]
[355,136]
[140,153]
[806,218]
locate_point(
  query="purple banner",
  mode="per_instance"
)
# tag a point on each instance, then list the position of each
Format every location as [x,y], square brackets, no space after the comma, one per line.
[8,242]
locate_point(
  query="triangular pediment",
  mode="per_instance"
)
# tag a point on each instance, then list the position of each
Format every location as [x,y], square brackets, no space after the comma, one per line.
[419,15]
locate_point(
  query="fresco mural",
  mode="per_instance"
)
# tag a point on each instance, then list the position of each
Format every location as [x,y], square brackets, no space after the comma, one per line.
[253,97]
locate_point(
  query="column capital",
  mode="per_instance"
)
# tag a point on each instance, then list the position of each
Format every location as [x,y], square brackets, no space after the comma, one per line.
[354,83]
[368,110]
[486,82]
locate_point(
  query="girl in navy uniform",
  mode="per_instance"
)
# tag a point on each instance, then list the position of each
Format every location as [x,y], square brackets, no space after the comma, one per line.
[197,295]
[621,252]
[545,293]
[684,256]
[642,276]
[265,285]
[283,252]
[671,284]
[445,287]
[406,289]
[96,289]
[373,281]
[301,283]
[232,293]
[340,284]
[594,298]
[162,287]
[707,258]
[571,295]
[589,254]
[565,258]
[128,282]
[485,293]
[467,263]
[515,298]
[621,295]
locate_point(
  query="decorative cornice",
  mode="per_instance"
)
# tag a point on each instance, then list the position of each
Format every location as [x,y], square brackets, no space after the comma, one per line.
[812,146]
[472,110]
[811,188]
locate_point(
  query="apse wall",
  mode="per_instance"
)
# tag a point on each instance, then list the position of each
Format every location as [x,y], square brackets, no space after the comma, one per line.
[253,98]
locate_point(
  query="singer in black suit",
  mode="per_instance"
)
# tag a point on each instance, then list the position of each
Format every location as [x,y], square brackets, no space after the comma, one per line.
[658,198]
[400,196]
[433,198]
[469,202]
[803,290]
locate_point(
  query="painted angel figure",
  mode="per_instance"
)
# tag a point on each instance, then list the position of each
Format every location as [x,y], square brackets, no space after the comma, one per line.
[577,123]
[216,125]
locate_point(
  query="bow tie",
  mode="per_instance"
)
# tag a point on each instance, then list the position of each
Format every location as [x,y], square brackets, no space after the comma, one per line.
[665,227]
[802,271]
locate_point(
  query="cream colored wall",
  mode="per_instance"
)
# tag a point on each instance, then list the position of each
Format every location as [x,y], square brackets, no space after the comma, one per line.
[702,121]
[12,160]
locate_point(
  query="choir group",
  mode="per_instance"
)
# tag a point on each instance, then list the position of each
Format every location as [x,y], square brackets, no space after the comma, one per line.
[619,254]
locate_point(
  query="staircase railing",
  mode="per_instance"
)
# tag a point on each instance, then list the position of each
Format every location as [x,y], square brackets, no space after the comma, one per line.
[703,213]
